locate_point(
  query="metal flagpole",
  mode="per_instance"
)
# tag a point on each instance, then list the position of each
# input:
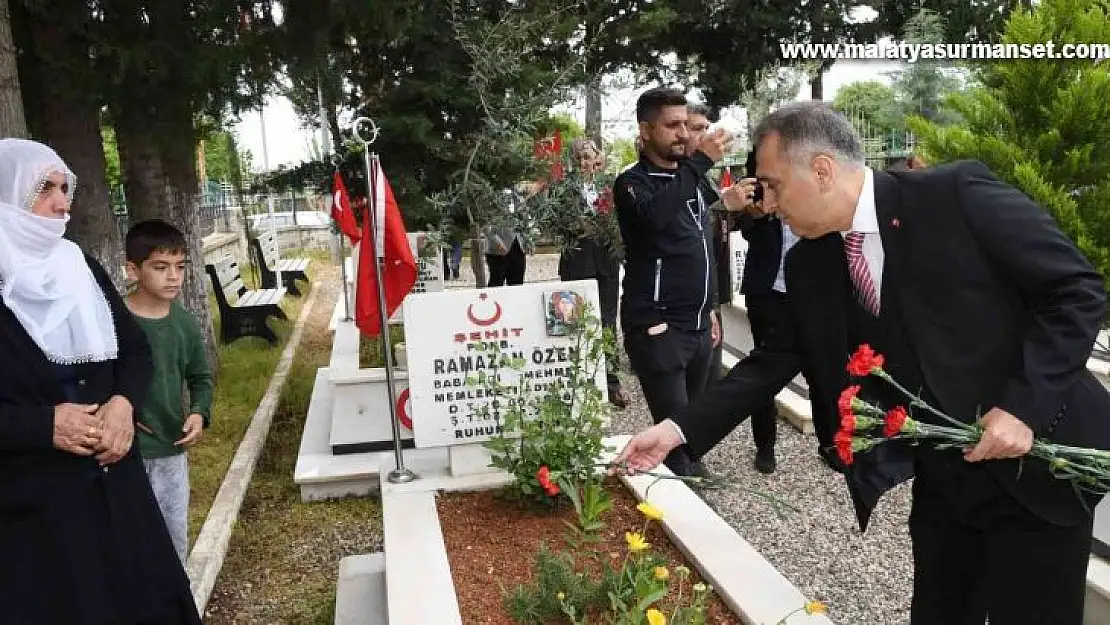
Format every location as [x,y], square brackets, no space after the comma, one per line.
[399,475]
[325,147]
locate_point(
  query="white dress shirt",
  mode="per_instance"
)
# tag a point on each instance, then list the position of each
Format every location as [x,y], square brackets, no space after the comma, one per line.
[866,220]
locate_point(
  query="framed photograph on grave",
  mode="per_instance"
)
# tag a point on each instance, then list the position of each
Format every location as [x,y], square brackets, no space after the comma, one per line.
[561,310]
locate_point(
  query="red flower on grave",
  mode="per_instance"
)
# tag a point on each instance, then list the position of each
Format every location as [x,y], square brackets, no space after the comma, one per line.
[843,442]
[865,361]
[895,421]
[543,476]
[844,404]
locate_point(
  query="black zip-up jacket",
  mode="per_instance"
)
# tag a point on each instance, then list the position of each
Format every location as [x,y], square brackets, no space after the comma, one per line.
[665,224]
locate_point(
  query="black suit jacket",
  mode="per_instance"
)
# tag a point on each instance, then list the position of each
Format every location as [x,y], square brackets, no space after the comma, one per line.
[1000,307]
[761,264]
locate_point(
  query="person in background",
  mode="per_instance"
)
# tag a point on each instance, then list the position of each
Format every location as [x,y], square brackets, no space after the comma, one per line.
[663,212]
[156,261]
[592,260]
[81,537]
[763,284]
[506,257]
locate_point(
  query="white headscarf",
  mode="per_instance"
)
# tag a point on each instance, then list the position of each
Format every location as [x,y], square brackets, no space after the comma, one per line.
[44,278]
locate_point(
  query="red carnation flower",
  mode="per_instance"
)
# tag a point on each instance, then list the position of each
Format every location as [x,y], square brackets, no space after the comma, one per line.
[895,421]
[844,404]
[864,361]
[843,442]
[543,476]
[848,423]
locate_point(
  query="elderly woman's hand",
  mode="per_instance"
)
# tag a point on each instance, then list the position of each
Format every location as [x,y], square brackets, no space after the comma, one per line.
[77,428]
[119,430]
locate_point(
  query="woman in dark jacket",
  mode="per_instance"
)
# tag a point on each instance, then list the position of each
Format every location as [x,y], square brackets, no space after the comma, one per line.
[81,537]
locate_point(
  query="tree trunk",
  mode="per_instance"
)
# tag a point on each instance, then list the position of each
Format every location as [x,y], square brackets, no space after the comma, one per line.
[182,186]
[144,180]
[593,109]
[478,258]
[70,123]
[817,86]
[12,121]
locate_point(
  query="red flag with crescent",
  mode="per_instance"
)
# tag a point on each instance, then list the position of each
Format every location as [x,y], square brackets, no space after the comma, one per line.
[341,209]
[390,243]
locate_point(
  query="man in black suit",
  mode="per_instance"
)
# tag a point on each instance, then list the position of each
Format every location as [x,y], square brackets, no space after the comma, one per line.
[976,297]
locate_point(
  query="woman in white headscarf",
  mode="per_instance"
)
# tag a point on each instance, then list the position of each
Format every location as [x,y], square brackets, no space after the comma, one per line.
[81,537]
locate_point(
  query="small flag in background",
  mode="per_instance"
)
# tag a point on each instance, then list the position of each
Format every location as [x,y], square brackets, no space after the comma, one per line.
[398,264]
[341,209]
[726,179]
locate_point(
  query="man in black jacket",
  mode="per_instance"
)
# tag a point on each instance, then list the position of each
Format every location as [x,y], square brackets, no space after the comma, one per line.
[977,298]
[664,221]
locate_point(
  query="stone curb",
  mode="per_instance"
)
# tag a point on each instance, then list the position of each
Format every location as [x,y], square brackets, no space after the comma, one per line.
[207,557]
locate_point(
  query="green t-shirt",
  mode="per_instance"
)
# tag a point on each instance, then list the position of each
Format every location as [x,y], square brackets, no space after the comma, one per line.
[177,349]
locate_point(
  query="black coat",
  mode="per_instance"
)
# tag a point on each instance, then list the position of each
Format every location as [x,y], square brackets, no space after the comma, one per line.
[761,264]
[998,305]
[79,544]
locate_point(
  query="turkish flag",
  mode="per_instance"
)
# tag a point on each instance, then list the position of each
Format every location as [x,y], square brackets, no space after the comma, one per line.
[384,233]
[726,179]
[341,209]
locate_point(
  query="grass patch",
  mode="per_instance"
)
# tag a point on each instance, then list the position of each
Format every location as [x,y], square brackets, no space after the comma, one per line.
[246,367]
[283,561]
[370,347]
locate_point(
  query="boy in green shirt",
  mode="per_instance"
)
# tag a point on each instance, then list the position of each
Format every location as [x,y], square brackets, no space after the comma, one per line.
[156,262]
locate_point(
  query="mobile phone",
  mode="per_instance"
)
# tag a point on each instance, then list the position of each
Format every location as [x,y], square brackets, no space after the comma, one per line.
[749,172]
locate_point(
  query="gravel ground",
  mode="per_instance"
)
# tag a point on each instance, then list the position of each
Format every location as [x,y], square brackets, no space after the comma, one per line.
[866,580]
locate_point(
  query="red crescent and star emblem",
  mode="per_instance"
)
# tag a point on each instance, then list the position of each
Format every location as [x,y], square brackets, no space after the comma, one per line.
[403,409]
[487,321]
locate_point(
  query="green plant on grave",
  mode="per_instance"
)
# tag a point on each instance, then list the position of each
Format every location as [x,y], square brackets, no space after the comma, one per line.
[561,427]
[629,593]
[590,500]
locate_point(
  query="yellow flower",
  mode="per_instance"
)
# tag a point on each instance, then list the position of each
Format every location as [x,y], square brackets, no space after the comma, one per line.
[560,596]
[650,511]
[699,587]
[816,607]
[655,617]
[635,541]
[661,573]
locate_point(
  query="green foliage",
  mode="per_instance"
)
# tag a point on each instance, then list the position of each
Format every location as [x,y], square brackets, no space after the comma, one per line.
[873,102]
[590,501]
[561,429]
[565,591]
[223,160]
[111,157]
[923,85]
[622,153]
[560,212]
[1039,124]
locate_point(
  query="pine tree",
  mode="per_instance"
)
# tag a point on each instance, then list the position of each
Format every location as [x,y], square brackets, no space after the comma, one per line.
[1040,124]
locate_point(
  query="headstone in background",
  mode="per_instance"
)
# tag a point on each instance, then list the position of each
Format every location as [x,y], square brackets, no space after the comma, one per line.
[429,271]
[443,331]
[737,253]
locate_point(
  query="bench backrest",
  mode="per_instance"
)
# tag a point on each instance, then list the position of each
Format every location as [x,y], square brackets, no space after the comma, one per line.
[227,282]
[268,247]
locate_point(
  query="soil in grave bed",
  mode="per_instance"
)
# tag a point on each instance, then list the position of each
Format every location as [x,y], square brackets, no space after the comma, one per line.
[492,544]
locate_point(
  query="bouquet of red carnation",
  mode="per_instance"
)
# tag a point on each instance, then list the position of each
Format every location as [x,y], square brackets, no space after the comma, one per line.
[861,422]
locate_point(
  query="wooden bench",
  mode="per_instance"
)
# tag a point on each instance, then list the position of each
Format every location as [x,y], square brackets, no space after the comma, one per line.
[243,312]
[264,249]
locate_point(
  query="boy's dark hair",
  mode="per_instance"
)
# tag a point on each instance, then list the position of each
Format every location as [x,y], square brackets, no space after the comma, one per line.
[154,235]
[651,101]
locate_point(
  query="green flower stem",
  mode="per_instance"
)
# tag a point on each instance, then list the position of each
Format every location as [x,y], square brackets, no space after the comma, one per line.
[782,621]
[777,503]
[917,401]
